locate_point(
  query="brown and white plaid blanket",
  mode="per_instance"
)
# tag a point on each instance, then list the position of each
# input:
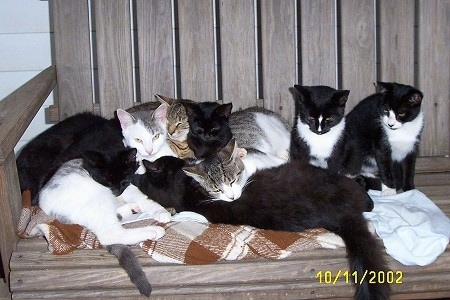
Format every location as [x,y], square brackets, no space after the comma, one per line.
[186,242]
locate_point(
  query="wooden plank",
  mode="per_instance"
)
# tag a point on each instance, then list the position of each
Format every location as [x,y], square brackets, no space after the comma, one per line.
[155,44]
[318,43]
[278,46]
[115,69]
[396,41]
[434,75]
[433,164]
[237,37]
[196,33]
[357,49]
[73,57]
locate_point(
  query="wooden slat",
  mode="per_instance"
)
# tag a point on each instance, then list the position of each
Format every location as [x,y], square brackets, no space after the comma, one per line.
[278,46]
[357,49]
[434,74]
[115,69]
[433,164]
[237,36]
[196,33]
[73,57]
[318,43]
[396,41]
[155,41]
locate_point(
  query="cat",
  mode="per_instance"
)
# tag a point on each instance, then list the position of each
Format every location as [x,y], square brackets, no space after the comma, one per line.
[209,129]
[261,129]
[145,130]
[314,198]
[386,128]
[177,127]
[43,155]
[318,135]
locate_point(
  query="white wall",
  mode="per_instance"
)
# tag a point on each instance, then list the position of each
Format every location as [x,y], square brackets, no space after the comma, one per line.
[25,50]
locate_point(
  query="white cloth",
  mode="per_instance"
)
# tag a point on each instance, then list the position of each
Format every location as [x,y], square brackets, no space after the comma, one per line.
[414,230]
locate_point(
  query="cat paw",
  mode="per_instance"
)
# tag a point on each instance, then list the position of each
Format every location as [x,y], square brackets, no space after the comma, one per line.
[388,192]
[126,211]
[154,232]
[162,216]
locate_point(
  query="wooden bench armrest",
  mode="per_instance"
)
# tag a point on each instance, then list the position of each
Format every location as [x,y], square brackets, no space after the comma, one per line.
[17,111]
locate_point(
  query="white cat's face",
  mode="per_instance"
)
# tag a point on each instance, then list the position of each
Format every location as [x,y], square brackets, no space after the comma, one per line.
[390,120]
[147,139]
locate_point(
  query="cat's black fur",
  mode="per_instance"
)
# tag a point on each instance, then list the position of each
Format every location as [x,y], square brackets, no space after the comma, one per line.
[315,199]
[209,129]
[311,103]
[368,133]
[41,157]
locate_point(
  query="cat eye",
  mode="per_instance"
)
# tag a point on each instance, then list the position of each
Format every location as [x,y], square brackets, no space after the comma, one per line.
[402,114]
[329,119]
[178,124]
[215,129]
[138,140]
[156,136]
[311,118]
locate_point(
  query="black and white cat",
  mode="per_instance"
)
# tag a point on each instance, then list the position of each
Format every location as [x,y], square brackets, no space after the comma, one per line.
[318,135]
[315,198]
[209,129]
[386,128]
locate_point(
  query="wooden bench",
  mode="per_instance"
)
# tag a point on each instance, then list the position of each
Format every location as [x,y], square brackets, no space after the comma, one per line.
[113,54]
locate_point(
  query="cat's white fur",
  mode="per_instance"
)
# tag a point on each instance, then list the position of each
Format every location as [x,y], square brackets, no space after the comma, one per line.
[321,146]
[149,145]
[402,136]
[73,196]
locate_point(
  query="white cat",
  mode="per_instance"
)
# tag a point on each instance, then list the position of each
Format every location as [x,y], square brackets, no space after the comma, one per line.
[83,191]
[146,130]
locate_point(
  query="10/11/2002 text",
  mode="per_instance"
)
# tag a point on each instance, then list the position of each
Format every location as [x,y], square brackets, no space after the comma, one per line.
[373,277]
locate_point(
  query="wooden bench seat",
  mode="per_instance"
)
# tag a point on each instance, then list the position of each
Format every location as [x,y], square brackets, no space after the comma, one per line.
[36,273]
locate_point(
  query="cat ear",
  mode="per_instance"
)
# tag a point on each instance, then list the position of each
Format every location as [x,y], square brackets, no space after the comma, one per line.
[381,87]
[190,108]
[164,99]
[129,155]
[150,166]
[227,152]
[224,110]
[298,92]
[196,172]
[415,99]
[342,97]
[125,118]
[161,112]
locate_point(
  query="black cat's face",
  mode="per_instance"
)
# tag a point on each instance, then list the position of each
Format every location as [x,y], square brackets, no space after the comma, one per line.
[401,104]
[319,107]
[113,170]
[208,120]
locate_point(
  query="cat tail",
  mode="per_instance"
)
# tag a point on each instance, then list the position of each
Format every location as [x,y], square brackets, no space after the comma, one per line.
[128,261]
[366,256]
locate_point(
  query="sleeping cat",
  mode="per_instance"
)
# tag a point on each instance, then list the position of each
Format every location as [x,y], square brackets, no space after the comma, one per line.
[261,129]
[315,198]
[209,129]
[145,130]
[177,126]
[318,135]
[387,127]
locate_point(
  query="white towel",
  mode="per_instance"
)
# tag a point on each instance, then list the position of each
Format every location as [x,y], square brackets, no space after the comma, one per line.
[414,230]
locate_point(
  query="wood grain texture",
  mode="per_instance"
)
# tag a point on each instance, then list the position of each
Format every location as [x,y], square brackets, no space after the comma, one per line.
[357,49]
[434,75]
[278,45]
[155,41]
[396,41]
[318,43]
[115,69]
[72,56]
[237,36]
[196,33]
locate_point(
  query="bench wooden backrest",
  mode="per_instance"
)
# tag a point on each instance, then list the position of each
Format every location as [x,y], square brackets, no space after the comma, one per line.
[112,54]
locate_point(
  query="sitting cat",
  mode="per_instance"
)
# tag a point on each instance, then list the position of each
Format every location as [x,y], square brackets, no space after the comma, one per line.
[386,128]
[177,127]
[145,130]
[261,129]
[314,198]
[318,135]
[209,129]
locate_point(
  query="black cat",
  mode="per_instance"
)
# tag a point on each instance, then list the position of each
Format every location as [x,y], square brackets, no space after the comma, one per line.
[42,156]
[209,129]
[318,134]
[386,129]
[315,198]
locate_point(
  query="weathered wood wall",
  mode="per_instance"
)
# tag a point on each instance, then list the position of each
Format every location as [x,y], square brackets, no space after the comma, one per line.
[113,53]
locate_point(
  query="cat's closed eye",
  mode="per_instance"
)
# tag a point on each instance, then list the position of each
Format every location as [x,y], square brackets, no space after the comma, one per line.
[311,118]
[402,114]
[215,129]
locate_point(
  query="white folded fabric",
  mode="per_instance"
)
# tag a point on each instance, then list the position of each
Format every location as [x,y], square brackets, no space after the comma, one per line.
[414,230]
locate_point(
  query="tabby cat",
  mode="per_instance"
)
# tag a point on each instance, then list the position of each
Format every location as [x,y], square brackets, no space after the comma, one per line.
[386,128]
[318,135]
[315,198]
[209,129]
